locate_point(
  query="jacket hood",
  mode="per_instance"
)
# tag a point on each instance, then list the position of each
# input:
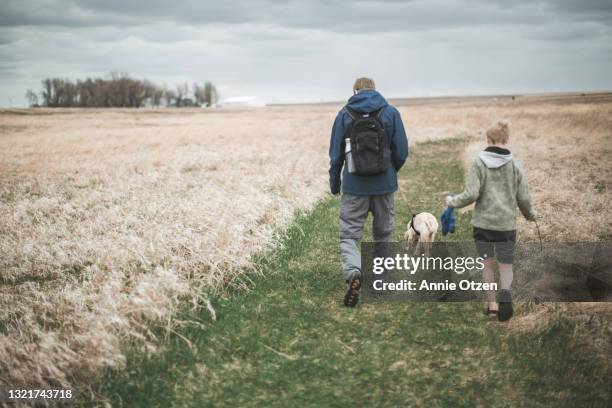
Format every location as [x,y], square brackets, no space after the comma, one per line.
[367,100]
[494,158]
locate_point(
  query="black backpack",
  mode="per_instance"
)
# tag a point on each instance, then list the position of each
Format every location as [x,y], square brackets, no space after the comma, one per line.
[369,143]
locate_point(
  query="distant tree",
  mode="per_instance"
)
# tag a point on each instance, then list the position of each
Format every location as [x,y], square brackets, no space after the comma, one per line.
[88,93]
[32,98]
[181,93]
[117,90]
[58,91]
[198,94]
[47,92]
[154,94]
[210,94]
[169,96]
[188,103]
[69,94]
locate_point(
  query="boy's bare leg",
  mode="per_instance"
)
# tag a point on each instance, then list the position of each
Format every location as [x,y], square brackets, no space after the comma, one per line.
[505,275]
[488,276]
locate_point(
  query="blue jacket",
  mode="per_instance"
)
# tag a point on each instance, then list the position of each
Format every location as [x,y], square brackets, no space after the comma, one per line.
[367,100]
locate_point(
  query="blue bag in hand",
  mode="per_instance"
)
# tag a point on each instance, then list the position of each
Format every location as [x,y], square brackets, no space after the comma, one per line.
[448,221]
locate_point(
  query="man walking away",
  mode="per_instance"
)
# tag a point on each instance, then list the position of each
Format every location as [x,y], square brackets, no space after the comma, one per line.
[368,147]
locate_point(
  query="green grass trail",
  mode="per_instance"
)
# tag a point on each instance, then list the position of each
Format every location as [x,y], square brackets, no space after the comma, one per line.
[290,342]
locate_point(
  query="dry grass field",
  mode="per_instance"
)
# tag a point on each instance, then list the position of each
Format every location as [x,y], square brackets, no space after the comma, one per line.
[109,218]
[566,150]
[112,219]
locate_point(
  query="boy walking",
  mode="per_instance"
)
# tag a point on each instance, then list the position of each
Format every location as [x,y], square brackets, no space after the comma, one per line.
[368,147]
[497,183]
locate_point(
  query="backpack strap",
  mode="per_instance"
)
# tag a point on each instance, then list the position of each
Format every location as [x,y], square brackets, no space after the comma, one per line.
[353,114]
[377,113]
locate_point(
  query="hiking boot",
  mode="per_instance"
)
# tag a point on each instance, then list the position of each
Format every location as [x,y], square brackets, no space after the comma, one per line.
[352,292]
[504,300]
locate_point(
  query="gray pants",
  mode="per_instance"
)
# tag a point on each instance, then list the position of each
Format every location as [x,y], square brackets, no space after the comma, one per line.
[354,211]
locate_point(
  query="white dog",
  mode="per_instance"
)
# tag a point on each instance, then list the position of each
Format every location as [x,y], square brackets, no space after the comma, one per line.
[421,233]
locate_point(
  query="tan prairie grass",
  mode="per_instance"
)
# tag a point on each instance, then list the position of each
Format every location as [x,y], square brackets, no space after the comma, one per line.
[566,153]
[110,220]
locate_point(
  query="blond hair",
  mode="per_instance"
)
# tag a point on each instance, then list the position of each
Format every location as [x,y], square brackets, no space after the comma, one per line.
[498,134]
[363,83]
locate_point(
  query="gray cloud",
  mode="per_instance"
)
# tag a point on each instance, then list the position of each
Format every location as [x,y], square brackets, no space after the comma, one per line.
[334,15]
[311,50]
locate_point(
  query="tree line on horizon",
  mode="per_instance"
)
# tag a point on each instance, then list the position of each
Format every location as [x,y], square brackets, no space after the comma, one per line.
[119,91]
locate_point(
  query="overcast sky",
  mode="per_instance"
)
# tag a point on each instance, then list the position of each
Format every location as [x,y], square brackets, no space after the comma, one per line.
[298,51]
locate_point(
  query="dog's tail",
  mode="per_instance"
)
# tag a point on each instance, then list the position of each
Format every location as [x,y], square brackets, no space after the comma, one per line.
[432,227]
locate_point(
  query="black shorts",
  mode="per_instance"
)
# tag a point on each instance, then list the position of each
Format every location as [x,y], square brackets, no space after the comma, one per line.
[499,244]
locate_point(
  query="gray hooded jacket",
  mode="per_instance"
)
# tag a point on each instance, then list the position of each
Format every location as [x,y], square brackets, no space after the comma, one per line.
[497,183]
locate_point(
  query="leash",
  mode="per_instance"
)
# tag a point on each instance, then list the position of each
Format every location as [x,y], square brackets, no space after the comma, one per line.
[539,235]
[411,225]
[409,208]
